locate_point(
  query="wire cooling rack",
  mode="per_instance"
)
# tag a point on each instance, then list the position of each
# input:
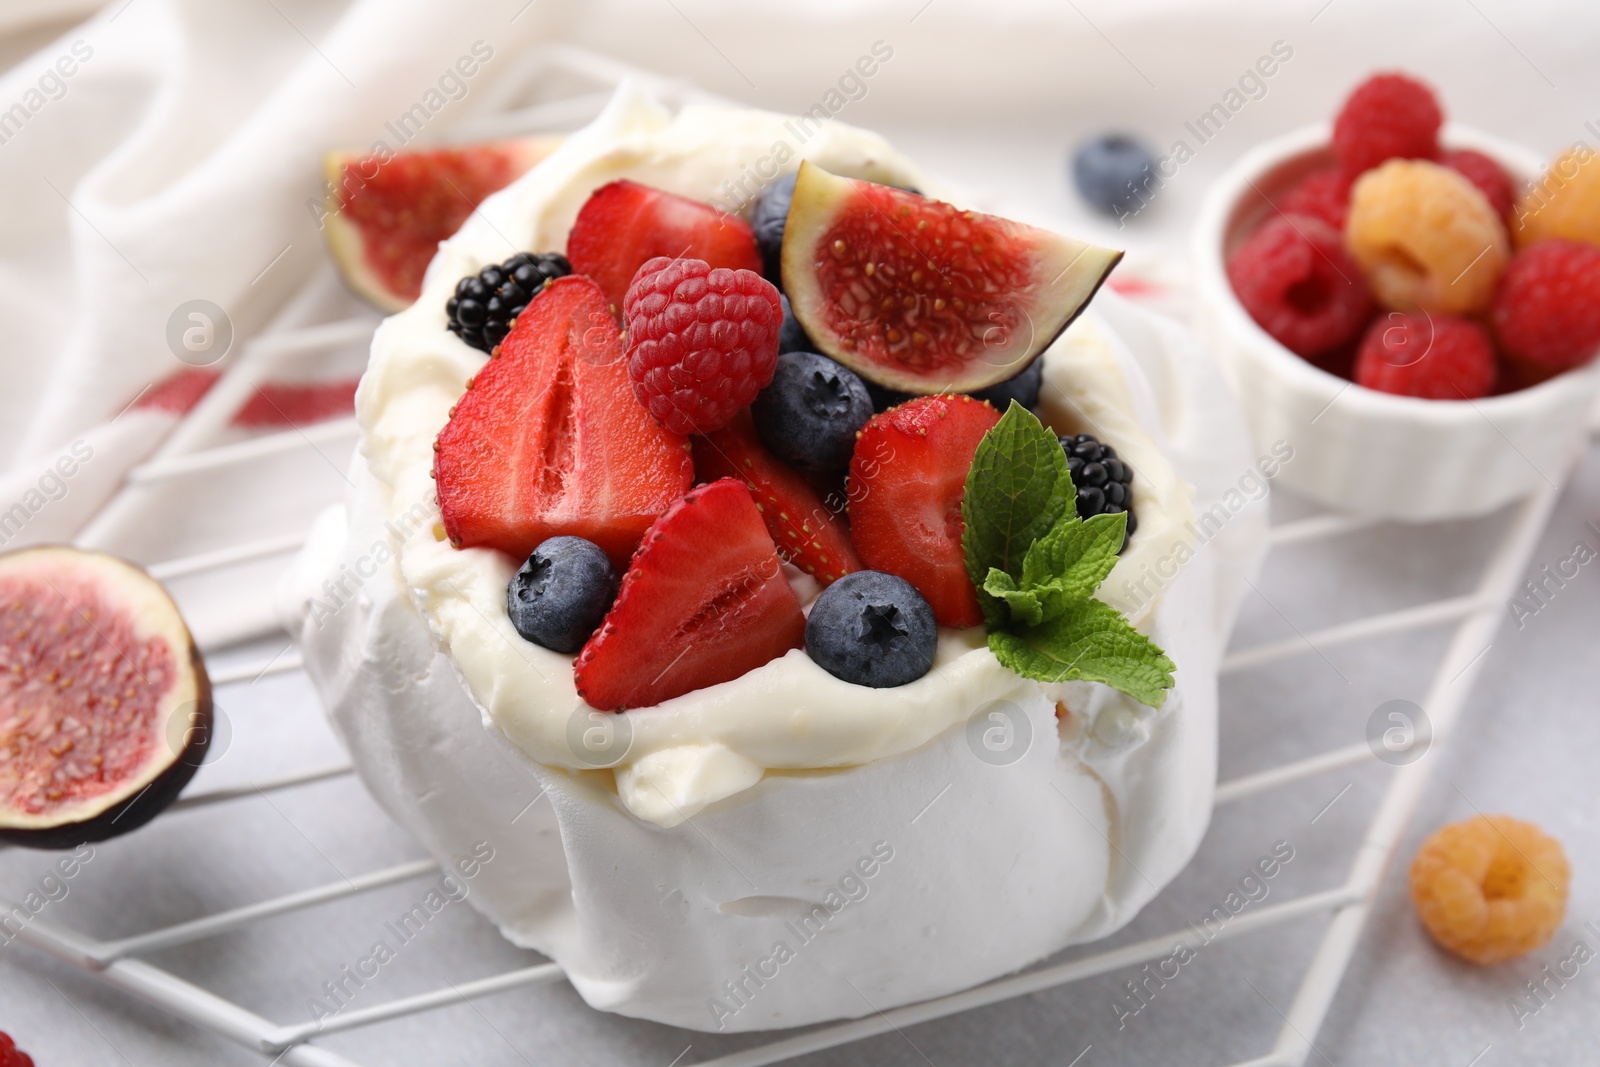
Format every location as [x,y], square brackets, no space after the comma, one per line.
[191,452]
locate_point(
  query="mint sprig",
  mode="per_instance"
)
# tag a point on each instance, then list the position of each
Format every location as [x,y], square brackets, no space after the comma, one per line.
[1037,566]
[1012,499]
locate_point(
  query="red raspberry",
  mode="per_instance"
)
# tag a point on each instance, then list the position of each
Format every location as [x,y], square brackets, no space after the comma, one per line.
[1547,309]
[1297,281]
[1436,357]
[11,1055]
[702,342]
[1388,115]
[1490,177]
[1323,195]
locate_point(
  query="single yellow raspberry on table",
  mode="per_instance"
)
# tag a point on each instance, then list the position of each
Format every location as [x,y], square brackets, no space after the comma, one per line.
[1426,238]
[1564,201]
[1490,888]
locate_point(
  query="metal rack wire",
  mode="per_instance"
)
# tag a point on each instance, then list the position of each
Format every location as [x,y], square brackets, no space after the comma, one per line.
[122,963]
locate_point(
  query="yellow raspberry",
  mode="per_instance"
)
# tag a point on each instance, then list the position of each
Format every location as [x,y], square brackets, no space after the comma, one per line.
[1564,202]
[1426,237]
[1490,888]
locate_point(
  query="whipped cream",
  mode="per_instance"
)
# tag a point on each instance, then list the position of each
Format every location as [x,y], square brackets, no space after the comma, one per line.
[672,760]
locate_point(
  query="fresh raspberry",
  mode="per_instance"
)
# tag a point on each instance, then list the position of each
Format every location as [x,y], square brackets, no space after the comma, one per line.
[1436,357]
[1563,202]
[1296,280]
[702,342]
[11,1055]
[1387,115]
[1426,237]
[1491,888]
[1547,310]
[1490,177]
[1324,195]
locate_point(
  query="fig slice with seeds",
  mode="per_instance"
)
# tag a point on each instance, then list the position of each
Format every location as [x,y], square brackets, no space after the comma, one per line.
[917,295]
[386,213]
[105,706]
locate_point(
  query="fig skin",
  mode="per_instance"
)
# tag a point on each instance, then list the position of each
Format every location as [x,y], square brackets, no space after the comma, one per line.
[137,810]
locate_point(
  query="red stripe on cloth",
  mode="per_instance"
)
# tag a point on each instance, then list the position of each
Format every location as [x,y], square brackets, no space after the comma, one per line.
[179,392]
[271,405]
[298,405]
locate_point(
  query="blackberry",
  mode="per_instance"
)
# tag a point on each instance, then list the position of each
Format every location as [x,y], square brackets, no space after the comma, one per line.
[1104,482]
[486,303]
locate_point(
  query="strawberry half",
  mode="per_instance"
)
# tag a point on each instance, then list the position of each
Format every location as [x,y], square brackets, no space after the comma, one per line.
[624,224]
[907,477]
[808,534]
[549,438]
[703,602]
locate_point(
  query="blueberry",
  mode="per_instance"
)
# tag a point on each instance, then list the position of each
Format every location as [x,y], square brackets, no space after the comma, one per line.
[1023,388]
[791,335]
[767,219]
[1114,173]
[883,399]
[809,415]
[559,596]
[872,628]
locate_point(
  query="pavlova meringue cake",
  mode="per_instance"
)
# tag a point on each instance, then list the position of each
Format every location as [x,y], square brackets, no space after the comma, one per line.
[791,844]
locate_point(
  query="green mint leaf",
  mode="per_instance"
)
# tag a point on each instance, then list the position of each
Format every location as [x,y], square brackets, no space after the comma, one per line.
[1075,556]
[1025,605]
[1090,642]
[1017,489]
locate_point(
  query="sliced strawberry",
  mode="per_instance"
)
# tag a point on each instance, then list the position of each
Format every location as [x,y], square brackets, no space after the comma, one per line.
[703,602]
[623,224]
[807,532]
[907,478]
[549,438]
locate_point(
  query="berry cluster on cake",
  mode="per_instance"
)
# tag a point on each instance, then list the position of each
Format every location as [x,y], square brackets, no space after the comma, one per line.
[777,587]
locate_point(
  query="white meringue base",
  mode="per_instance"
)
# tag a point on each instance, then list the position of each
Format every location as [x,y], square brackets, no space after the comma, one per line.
[709,881]
[993,865]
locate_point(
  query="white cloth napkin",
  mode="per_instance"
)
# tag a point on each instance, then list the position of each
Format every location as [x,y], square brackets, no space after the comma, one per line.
[168,151]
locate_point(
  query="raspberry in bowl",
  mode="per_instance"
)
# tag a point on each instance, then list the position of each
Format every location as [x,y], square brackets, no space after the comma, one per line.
[1382,286]
[724,685]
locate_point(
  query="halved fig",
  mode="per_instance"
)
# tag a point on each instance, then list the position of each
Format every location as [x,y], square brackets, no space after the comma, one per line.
[105,707]
[917,295]
[386,213]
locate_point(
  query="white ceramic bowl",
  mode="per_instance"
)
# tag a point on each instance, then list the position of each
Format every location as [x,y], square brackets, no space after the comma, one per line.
[1355,449]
